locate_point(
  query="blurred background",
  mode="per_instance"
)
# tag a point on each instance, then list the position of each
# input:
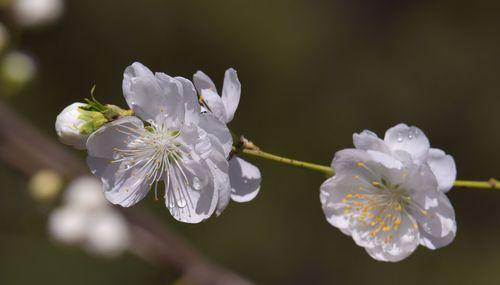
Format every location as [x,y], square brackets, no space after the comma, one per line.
[313,73]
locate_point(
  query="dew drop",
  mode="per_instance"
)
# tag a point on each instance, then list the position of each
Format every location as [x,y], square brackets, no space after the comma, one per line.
[410,136]
[196,183]
[171,204]
[181,203]
[400,137]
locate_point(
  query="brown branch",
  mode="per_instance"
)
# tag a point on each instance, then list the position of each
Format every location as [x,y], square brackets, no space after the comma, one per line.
[26,150]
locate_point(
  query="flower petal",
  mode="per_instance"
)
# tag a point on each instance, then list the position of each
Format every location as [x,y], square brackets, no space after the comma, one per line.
[190,99]
[404,244]
[215,104]
[368,140]
[202,81]
[231,92]
[186,202]
[438,225]
[152,96]
[214,127]
[113,135]
[444,168]
[245,180]
[409,139]
[122,186]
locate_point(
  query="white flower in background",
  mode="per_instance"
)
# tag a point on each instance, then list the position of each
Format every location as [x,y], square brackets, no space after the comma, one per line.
[388,202]
[180,146]
[87,220]
[37,12]
[17,68]
[69,124]
[410,144]
[108,235]
[85,192]
[245,178]
[4,37]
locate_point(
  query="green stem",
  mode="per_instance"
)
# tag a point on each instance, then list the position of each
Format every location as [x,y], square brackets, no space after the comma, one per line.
[491,184]
[297,163]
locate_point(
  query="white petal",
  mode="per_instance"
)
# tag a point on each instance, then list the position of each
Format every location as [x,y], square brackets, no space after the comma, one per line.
[214,104]
[113,135]
[152,97]
[190,99]
[409,139]
[231,92]
[443,167]
[190,202]
[245,180]
[438,225]
[367,140]
[202,81]
[218,130]
[219,168]
[121,186]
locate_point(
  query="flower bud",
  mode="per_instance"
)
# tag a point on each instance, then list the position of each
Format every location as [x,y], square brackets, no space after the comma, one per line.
[74,124]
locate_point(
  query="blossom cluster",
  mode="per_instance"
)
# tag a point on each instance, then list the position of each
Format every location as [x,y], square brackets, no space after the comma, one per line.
[387,194]
[177,139]
[85,219]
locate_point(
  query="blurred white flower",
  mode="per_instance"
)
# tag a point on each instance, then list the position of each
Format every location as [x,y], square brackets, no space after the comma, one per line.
[180,146]
[388,198]
[87,220]
[85,192]
[37,12]
[68,224]
[245,178]
[17,68]
[107,234]
[4,37]
[45,185]
[69,124]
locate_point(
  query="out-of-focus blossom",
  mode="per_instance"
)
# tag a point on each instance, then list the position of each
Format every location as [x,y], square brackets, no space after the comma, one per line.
[37,12]
[4,37]
[45,185]
[17,69]
[86,219]
[108,234]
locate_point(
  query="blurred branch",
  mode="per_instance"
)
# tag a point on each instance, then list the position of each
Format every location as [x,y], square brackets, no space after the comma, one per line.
[26,150]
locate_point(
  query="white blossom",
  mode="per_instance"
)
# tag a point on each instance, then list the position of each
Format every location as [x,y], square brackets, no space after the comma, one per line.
[245,178]
[388,197]
[86,219]
[37,12]
[69,125]
[107,234]
[179,145]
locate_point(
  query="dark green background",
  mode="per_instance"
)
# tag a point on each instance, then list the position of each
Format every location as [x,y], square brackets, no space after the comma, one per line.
[313,72]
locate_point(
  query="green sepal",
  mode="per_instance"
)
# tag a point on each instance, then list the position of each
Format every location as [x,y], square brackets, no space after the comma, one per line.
[93,121]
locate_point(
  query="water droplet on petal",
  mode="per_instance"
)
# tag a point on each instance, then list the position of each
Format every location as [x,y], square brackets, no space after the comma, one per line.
[410,136]
[400,137]
[181,203]
[196,183]
[171,204]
